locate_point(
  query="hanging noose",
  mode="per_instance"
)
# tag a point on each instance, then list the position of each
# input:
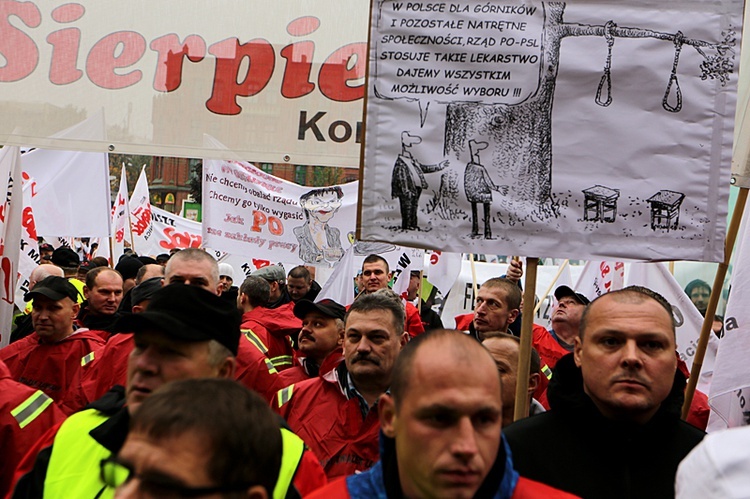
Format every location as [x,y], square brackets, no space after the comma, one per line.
[678,39]
[606,77]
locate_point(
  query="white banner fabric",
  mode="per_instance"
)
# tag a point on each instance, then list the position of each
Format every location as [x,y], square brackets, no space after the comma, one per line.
[277,83]
[486,134]
[730,387]
[249,212]
[10,235]
[71,195]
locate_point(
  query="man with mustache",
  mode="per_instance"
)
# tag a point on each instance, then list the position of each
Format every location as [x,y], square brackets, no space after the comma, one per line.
[614,427]
[337,414]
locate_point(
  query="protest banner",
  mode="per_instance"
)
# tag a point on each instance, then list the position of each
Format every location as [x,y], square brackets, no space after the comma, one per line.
[70,193]
[29,257]
[285,86]
[249,212]
[730,386]
[688,320]
[10,235]
[141,226]
[466,114]
[598,278]
[121,217]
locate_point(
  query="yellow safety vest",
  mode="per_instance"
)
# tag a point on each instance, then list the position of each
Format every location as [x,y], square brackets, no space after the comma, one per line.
[293,448]
[73,469]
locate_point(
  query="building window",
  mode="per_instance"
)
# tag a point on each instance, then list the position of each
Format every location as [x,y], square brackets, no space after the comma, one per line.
[267,167]
[300,175]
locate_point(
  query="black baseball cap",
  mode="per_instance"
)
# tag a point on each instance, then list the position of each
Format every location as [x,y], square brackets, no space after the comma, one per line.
[65,257]
[187,313]
[326,307]
[145,290]
[53,287]
[565,291]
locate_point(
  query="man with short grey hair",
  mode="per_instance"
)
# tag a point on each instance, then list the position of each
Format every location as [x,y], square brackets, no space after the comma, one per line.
[337,414]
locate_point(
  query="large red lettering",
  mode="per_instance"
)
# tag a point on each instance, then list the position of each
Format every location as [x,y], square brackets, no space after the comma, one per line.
[229,55]
[341,76]
[20,52]
[172,54]
[104,59]
[65,45]
[180,239]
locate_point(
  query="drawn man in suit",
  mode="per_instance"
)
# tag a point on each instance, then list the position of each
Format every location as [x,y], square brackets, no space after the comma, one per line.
[408,180]
[478,187]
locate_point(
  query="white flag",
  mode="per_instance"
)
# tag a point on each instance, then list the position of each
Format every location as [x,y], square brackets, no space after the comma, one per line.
[141,224]
[71,195]
[443,270]
[29,257]
[689,321]
[729,396]
[10,235]
[598,278]
[340,286]
[120,217]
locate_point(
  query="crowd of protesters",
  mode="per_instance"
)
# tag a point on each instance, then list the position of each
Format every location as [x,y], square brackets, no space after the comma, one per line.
[165,377]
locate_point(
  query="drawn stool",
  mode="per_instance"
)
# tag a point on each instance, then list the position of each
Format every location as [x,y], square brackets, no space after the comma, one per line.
[665,209]
[600,204]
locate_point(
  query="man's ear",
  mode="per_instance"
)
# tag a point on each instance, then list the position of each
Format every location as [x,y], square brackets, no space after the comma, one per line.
[533,382]
[85,292]
[76,309]
[387,415]
[578,346]
[227,368]
[513,315]
[256,492]
[404,339]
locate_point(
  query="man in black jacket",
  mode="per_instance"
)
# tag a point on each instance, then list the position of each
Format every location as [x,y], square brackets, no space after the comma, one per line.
[614,427]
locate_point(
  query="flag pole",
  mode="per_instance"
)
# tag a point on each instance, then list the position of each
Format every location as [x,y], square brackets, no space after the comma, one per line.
[551,285]
[473,276]
[524,355]
[721,272]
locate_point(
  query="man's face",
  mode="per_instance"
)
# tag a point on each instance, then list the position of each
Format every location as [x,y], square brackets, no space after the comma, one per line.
[505,353]
[179,462]
[53,320]
[225,282]
[491,312]
[371,344]
[319,336]
[106,295]
[157,359]
[413,289]
[447,427]
[375,276]
[627,358]
[568,311]
[322,207]
[298,287]
[699,296]
[191,272]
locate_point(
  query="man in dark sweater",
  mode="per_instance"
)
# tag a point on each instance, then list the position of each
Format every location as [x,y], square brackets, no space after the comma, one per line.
[614,427]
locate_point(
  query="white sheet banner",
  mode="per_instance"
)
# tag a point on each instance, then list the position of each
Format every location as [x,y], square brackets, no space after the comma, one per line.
[280,82]
[598,278]
[141,225]
[29,257]
[249,212]
[487,134]
[689,321]
[11,220]
[730,388]
[71,195]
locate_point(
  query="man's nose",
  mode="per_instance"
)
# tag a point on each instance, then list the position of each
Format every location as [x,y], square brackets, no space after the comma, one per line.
[631,355]
[465,444]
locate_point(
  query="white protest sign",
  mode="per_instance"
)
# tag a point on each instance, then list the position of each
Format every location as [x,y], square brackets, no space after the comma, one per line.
[550,128]
[249,212]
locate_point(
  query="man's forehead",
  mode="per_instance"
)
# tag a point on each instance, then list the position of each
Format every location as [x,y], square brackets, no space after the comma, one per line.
[379,318]
[495,292]
[373,266]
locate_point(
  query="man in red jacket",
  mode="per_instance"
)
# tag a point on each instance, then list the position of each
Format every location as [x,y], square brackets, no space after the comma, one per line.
[25,414]
[337,414]
[49,359]
[375,276]
[441,427]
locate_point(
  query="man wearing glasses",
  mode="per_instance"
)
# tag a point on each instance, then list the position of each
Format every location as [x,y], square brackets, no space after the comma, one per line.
[227,443]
